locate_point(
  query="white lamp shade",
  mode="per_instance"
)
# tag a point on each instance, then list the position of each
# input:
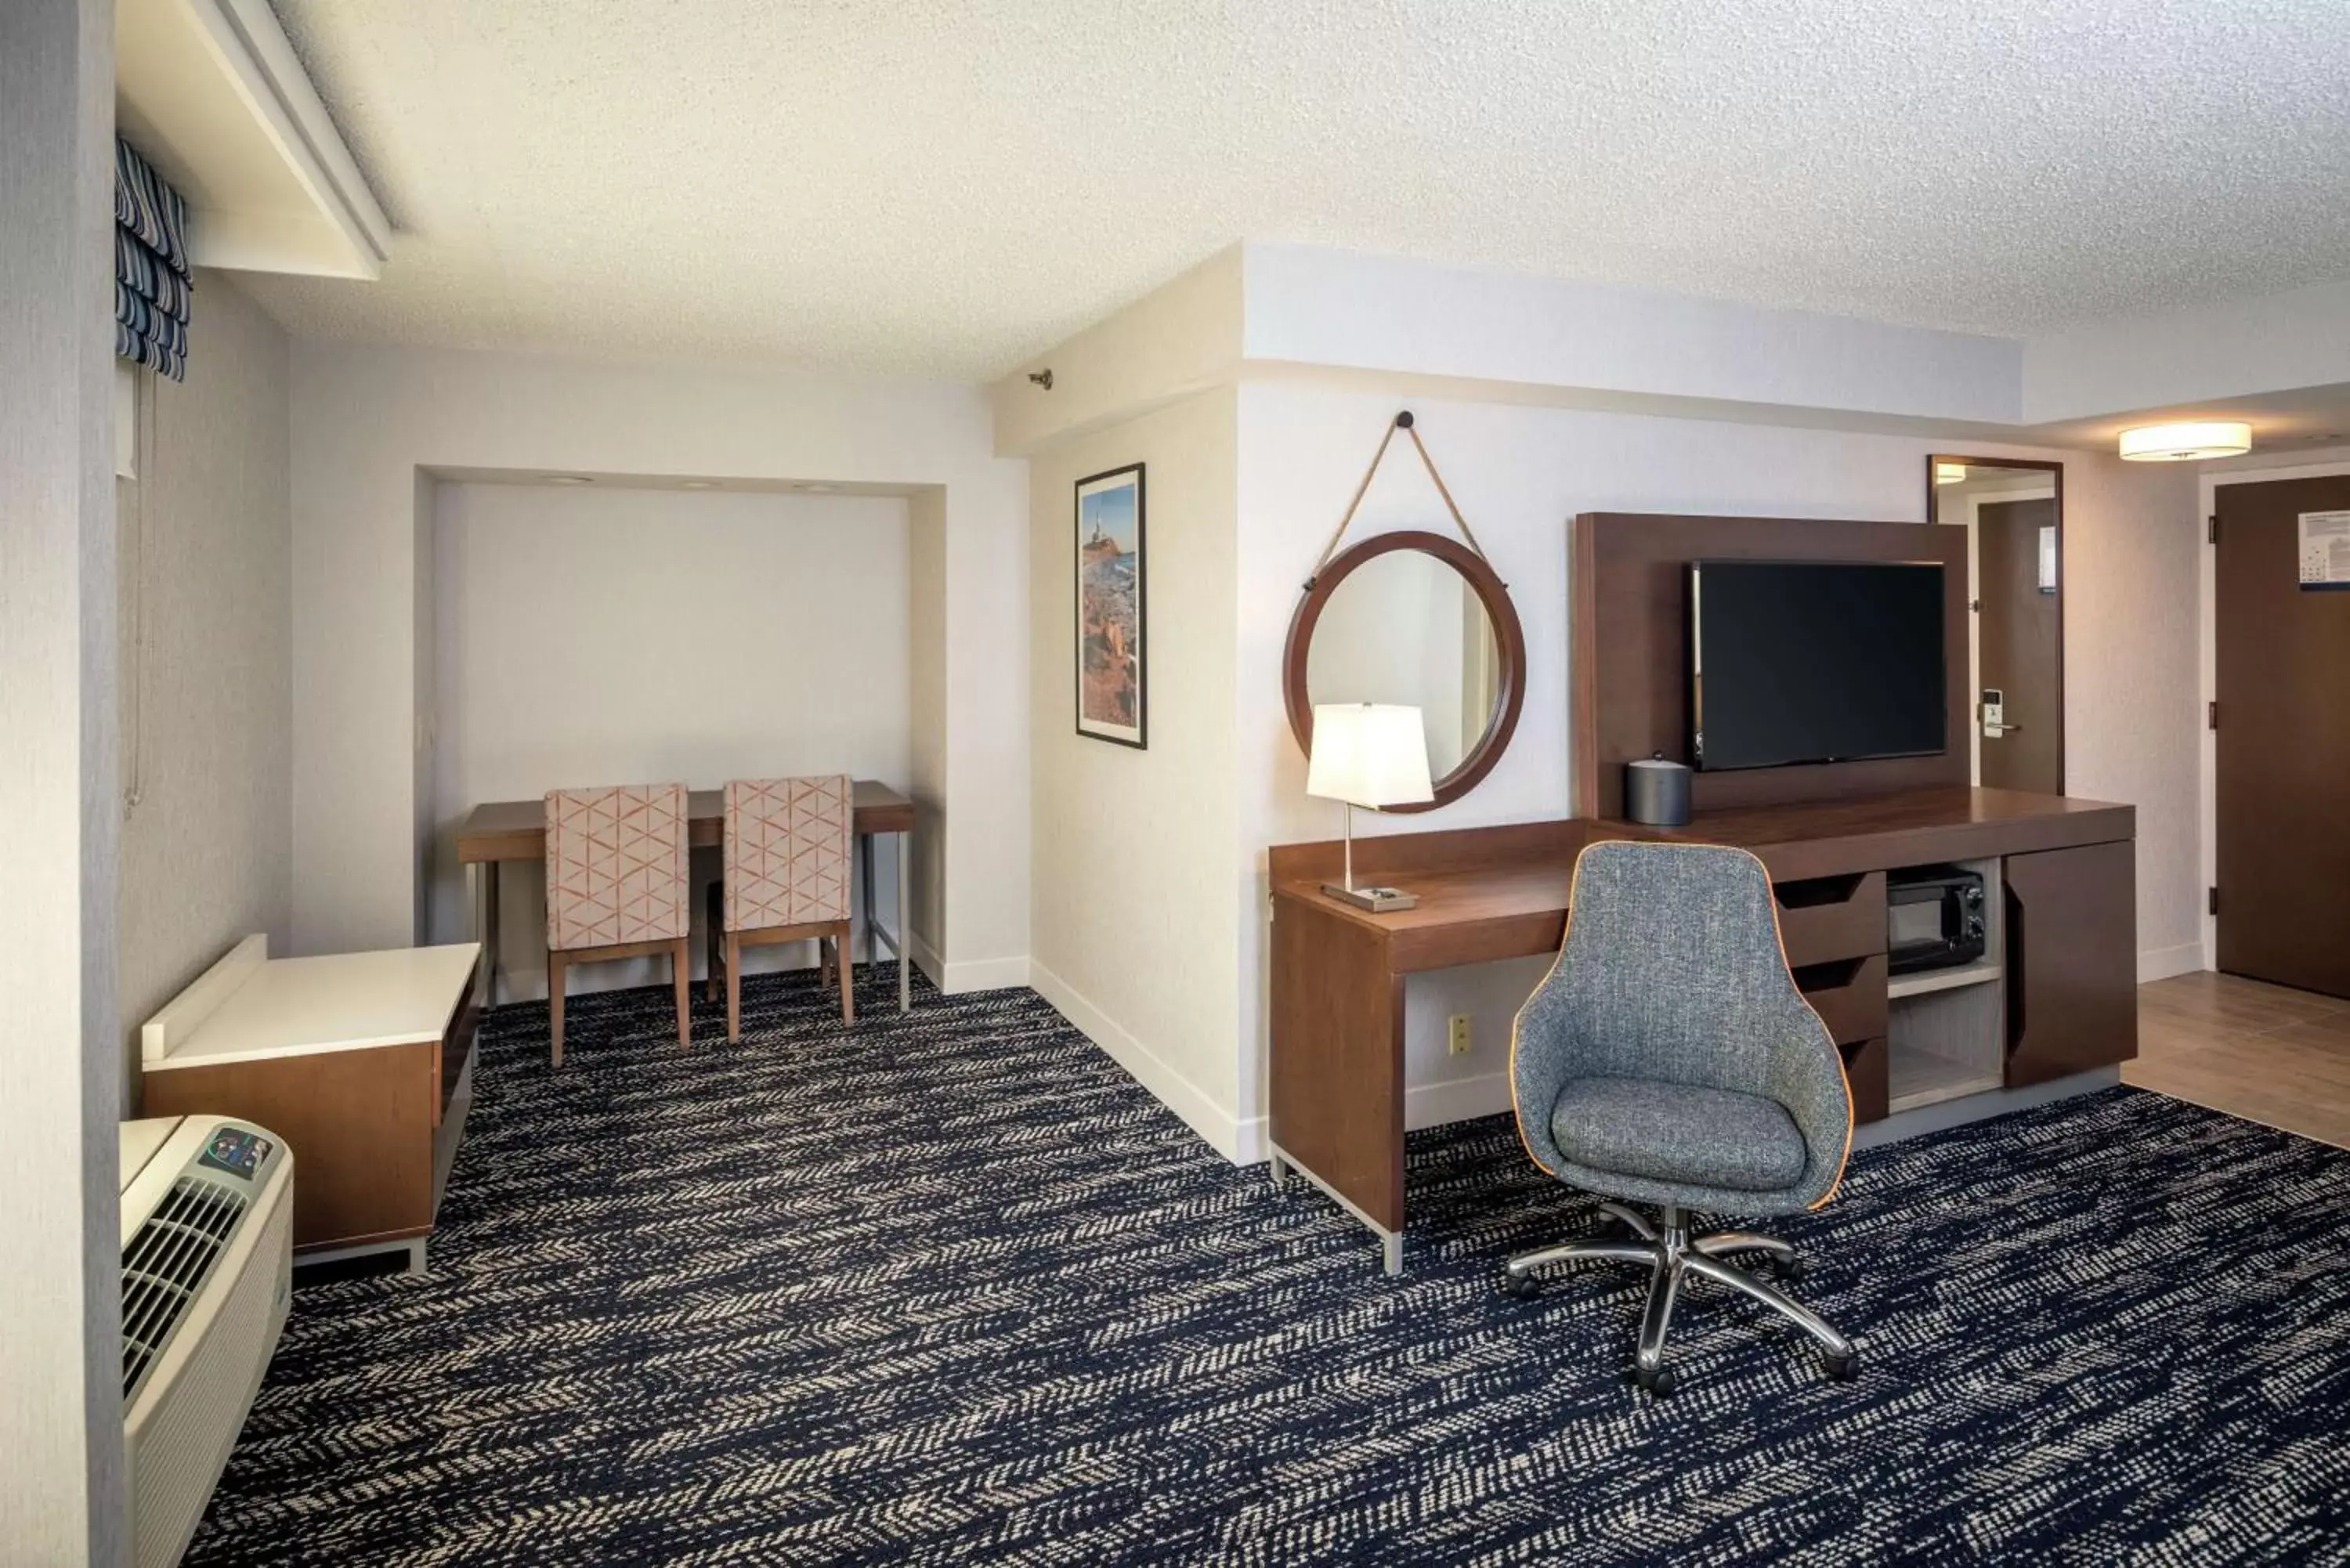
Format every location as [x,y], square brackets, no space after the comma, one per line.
[2187,442]
[1369,753]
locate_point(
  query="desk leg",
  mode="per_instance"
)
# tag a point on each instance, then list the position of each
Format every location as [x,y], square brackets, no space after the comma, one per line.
[865,887]
[490,874]
[905,947]
[1390,1240]
[1337,1069]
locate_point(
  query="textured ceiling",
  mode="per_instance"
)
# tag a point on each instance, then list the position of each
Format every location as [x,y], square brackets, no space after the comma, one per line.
[942,187]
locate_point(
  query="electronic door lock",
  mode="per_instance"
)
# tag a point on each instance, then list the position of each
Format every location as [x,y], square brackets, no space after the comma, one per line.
[1994,715]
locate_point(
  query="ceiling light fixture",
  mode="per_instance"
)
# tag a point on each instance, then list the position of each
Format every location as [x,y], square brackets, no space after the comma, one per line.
[1949,472]
[566,479]
[702,484]
[2187,442]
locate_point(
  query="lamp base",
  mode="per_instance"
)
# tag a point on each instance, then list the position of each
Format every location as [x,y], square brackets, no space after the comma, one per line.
[1378,900]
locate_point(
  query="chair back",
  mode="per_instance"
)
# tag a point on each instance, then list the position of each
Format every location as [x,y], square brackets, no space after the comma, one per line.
[616,865]
[787,851]
[1673,971]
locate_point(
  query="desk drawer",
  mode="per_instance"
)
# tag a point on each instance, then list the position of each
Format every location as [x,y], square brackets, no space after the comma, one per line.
[1849,997]
[1830,918]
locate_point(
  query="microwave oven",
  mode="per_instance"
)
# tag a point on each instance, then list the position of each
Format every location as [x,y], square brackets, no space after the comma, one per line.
[1934,918]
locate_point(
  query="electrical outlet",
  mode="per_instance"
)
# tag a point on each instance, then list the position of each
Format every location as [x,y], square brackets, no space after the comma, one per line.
[1459,1039]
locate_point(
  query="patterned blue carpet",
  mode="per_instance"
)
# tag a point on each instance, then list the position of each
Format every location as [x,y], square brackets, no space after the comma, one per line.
[952,1288]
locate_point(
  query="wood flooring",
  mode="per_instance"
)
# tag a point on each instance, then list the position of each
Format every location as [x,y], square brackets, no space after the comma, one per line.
[2261,1051]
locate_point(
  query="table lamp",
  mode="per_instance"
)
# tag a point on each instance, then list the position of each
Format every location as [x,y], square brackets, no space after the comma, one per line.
[1369,754]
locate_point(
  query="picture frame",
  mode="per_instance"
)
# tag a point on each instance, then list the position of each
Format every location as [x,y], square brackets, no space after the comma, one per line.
[1111,579]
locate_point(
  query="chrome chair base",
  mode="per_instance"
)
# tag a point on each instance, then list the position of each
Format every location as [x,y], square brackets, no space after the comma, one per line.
[1670,1252]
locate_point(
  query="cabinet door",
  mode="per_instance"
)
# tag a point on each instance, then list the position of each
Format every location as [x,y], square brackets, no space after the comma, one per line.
[2072,961]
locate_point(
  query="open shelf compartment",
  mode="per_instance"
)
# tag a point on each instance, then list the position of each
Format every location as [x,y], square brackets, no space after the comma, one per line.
[1946,1028]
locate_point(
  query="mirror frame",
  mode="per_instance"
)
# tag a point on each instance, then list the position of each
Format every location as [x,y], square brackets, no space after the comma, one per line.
[2055,469]
[1509,641]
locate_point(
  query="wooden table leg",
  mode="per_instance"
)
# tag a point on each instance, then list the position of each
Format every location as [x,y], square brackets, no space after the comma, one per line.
[865,887]
[490,929]
[905,959]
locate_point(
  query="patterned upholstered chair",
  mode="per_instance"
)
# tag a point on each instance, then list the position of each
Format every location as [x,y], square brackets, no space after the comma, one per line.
[787,880]
[1669,1060]
[617,887]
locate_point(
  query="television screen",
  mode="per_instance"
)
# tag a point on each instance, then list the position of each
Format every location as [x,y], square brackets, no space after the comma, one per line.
[1815,661]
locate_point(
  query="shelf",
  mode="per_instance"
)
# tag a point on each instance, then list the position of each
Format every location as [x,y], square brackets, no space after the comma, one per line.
[1923,1078]
[1981,973]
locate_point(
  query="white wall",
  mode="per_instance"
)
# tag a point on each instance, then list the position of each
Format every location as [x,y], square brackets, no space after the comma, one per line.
[1179,338]
[365,419]
[2200,355]
[927,717]
[206,632]
[61,1498]
[1519,472]
[1315,305]
[593,636]
[2133,718]
[1138,903]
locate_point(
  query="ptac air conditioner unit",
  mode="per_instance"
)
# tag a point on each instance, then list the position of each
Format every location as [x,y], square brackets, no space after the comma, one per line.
[207,1262]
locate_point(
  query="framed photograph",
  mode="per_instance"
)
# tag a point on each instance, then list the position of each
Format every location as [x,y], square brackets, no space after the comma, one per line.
[1112,673]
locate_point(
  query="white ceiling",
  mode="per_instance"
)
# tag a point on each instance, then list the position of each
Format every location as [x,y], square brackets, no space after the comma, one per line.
[945,187]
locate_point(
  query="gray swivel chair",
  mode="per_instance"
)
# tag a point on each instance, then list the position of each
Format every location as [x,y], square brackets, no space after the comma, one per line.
[1668,1060]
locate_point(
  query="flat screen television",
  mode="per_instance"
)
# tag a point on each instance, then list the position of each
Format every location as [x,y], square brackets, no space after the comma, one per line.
[1815,661]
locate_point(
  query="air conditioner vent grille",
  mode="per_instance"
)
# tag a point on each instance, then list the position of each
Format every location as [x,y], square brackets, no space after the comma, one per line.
[167,1264]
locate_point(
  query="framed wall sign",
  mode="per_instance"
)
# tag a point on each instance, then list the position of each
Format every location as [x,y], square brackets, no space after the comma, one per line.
[1113,671]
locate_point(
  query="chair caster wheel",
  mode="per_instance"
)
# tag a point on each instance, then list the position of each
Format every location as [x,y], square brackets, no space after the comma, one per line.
[1844,1369]
[1525,1287]
[1659,1383]
[1790,1269]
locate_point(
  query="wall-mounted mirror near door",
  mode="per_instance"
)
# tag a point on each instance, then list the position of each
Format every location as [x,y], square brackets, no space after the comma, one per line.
[2013,510]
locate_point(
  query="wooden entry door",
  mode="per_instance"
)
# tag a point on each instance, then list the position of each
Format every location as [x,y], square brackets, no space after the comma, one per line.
[2021,637]
[2284,772]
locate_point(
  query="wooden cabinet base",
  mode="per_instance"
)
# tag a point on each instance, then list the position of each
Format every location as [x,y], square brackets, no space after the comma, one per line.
[374,1130]
[360,1124]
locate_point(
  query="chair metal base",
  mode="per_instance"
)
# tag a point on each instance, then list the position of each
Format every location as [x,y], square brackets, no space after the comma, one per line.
[1670,1252]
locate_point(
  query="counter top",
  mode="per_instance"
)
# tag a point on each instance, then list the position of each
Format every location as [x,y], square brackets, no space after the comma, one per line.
[248,1009]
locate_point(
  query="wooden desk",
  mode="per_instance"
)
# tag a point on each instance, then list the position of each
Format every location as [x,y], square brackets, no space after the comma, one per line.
[363,1062]
[507,830]
[1485,894]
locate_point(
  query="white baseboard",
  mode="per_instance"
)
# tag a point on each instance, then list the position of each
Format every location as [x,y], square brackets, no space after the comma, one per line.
[1223,1132]
[1455,1100]
[1424,1105]
[2161,963]
[980,974]
[926,959]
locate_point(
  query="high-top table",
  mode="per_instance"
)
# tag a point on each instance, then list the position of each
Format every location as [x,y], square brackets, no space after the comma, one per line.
[507,830]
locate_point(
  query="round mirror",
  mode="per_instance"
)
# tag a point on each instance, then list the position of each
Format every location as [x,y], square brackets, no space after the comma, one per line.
[1418,620]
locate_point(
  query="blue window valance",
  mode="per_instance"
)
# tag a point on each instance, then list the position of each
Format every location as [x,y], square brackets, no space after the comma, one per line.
[152,281]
